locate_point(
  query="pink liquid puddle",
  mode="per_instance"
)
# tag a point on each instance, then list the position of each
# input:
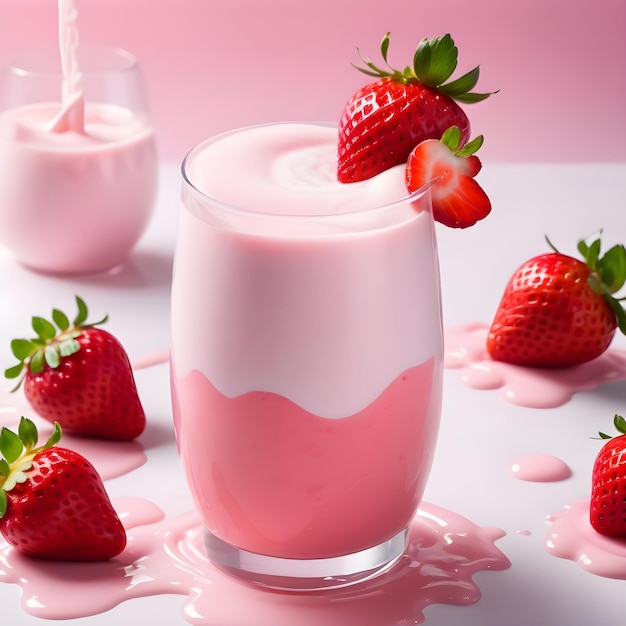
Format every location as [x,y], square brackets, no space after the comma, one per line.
[572,537]
[540,468]
[110,458]
[465,350]
[166,557]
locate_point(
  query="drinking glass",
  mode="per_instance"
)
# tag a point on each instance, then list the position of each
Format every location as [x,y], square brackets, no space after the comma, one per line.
[75,199]
[306,373]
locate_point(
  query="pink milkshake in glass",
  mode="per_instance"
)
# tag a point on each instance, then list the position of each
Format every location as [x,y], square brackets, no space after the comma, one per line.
[306,356]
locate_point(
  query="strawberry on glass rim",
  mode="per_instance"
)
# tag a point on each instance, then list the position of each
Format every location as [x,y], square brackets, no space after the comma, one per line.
[79,376]
[559,311]
[449,169]
[384,120]
[53,504]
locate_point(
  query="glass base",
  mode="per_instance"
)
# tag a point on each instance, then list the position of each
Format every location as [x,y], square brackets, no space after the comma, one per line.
[305,574]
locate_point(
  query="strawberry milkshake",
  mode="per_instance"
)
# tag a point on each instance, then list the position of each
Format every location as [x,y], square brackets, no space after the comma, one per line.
[306,356]
[79,165]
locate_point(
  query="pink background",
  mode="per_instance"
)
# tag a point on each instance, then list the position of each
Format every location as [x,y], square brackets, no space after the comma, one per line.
[210,65]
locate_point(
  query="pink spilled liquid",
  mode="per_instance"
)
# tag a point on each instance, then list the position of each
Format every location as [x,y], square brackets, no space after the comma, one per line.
[524,386]
[110,458]
[572,537]
[166,557]
[540,468]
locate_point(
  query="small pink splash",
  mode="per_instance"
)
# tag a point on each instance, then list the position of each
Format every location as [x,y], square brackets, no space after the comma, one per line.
[151,360]
[572,537]
[540,468]
[166,557]
[465,350]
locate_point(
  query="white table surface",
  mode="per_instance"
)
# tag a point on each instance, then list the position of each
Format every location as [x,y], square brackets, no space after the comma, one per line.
[480,435]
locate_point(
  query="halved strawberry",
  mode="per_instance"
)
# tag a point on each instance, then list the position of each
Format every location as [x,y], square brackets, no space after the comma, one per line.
[458,200]
[384,120]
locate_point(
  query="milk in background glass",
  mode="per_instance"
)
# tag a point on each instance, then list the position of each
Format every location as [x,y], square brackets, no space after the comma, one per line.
[306,356]
[78,161]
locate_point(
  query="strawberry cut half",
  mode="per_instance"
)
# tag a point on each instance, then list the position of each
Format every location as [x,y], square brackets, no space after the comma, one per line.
[384,120]
[458,200]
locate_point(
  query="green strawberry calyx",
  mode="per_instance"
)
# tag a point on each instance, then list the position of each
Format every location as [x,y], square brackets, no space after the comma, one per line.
[451,138]
[17,453]
[434,63]
[54,340]
[608,274]
[620,425]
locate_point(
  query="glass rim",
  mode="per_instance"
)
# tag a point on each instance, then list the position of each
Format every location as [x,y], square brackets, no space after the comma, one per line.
[237,210]
[93,61]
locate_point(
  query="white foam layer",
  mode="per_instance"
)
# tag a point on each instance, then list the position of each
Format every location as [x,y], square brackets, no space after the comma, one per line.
[287,169]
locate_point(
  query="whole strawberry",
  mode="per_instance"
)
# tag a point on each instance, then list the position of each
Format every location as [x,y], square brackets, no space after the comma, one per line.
[608,484]
[458,201]
[53,504]
[384,120]
[558,311]
[80,376]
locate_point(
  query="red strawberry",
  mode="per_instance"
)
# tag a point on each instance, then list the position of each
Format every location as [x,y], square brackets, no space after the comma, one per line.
[53,504]
[80,377]
[383,121]
[558,311]
[457,199]
[608,484]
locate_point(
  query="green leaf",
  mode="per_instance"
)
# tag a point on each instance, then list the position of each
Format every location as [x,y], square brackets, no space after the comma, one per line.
[593,254]
[37,363]
[612,268]
[51,355]
[421,60]
[435,60]
[54,438]
[462,85]
[28,433]
[3,502]
[384,47]
[14,372]
[620,424]
[44,329]
[60,319]
[619,312]
[10,445]
[4,468]
[22,348]
[81,316]
[451,137]
[471,98]
[471,147]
